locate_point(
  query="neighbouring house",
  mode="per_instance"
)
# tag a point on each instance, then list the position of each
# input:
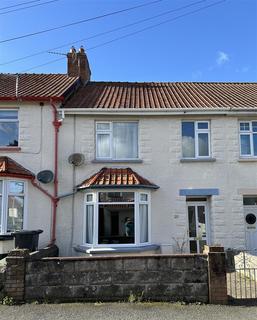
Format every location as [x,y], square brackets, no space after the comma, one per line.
[137,167]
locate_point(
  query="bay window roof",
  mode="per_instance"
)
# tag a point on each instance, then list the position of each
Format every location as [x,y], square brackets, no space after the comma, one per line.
[116,178]
[10,168]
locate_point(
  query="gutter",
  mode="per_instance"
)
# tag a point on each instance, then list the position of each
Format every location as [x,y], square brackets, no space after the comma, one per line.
[158,112]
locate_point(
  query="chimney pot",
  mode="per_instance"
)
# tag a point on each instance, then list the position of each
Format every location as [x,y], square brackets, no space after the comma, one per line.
[81,49]
[72,50]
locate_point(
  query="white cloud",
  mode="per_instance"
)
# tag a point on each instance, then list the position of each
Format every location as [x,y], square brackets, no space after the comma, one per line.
[222,58]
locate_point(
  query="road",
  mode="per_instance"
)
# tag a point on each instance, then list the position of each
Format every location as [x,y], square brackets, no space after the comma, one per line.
[126,311]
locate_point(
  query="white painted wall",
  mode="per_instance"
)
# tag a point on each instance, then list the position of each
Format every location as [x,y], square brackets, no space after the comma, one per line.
[160,150]
[36,154]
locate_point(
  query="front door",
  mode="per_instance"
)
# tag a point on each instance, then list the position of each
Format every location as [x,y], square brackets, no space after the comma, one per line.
[197,222]
[251,228]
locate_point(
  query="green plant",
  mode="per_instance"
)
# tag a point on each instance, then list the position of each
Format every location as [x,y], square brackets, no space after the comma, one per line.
[8,301]
[133,298]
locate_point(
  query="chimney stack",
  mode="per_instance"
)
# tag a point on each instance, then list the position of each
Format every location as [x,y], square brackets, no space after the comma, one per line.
[78,65]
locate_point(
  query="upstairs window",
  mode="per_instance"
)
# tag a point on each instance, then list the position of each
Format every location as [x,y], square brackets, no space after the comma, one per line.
[248,138]
[9,128]
[117,140]
[11,205]
[195,139]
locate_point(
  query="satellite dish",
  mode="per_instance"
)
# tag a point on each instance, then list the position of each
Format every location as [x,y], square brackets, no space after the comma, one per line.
[77,159]
[45,176]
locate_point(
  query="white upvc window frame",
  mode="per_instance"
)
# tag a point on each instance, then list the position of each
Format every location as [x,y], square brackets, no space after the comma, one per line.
[249,133]
[196,133]
[4,204]
[110,133]
[95,202]
[14,121]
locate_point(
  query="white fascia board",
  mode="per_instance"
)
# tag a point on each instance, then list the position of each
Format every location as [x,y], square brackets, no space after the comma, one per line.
[159,112]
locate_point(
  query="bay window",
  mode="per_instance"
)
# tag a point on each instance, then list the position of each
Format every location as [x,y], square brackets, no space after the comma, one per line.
[248,138]
[116,218]
[117,140]
[12,195]
[195,139]
[9,128]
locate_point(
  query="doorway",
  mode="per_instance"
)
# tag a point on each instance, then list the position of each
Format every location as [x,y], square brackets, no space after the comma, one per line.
[197,226]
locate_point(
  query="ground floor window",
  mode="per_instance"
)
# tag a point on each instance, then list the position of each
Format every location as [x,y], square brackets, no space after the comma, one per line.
[116,218]
[11,205]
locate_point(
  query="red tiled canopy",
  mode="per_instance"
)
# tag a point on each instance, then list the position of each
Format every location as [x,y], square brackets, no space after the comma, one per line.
[10,168]
[113,178]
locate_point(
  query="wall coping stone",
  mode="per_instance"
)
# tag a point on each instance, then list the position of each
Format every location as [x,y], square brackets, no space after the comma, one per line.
[118,257]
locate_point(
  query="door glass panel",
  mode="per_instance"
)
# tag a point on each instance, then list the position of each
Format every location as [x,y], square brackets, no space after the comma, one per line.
[191,218]
[193,246]
[201,222]
[202,243]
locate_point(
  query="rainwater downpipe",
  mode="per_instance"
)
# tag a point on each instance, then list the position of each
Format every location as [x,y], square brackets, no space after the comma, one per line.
[57,124]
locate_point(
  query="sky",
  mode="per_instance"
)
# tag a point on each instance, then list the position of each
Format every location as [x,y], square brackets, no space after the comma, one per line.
[210,40]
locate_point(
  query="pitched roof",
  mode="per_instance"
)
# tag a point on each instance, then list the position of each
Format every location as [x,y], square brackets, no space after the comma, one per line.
[113,177]
[170,95]
[10,168]
[35,86]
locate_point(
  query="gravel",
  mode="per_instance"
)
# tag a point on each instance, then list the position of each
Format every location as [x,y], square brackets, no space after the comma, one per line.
[126,311]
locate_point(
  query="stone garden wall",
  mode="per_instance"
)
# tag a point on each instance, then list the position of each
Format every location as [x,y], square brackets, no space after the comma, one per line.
[30,277]
[155,277]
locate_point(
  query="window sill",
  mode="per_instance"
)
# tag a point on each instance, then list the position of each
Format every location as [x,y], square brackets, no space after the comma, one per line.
[247,160]
[185,160]
[10,149]
[116,161]
[116,250]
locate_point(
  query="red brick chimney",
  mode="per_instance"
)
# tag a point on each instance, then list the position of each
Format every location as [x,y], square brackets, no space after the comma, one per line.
[78,64]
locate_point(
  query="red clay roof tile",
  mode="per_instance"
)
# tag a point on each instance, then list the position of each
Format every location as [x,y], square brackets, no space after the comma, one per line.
[39,86]
[113,177]
[169,95]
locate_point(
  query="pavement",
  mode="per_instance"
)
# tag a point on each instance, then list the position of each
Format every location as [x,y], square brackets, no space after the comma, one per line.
[126,311]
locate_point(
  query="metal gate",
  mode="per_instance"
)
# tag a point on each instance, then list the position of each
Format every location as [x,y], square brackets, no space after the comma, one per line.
[242,275]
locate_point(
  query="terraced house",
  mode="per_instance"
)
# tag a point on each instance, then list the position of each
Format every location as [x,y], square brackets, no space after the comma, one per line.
[116,167]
